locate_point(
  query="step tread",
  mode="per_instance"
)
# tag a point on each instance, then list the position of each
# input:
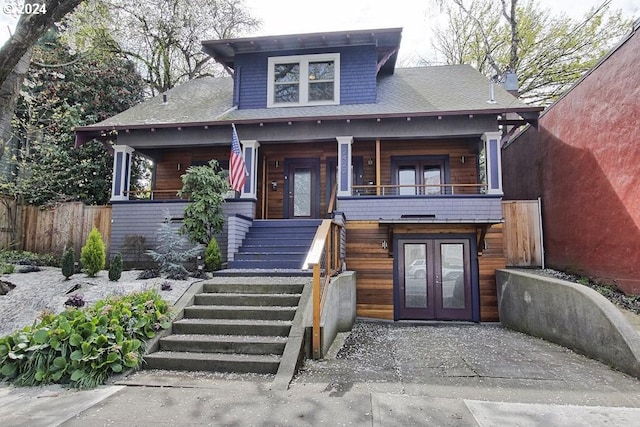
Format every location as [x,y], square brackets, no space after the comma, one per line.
[227,338]
[248,322]
[243,307]
[248,295]
[231,357]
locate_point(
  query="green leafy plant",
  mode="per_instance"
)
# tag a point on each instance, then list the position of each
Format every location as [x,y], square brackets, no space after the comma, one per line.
[172,251]
[29,258]
[115,268]
[7,268]
[206,187]
[93,255]
[68,263]
[83,347]
[212,257]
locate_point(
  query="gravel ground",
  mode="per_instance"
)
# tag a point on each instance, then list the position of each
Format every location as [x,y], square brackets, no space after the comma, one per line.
[48,290]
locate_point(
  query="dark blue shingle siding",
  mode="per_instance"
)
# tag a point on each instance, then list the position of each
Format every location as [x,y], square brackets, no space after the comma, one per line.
[357,76]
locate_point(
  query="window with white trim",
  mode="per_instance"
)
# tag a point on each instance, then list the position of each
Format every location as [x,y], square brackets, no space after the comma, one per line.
[304,80]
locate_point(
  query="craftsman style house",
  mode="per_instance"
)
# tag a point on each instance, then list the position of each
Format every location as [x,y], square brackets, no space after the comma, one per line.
[409,159]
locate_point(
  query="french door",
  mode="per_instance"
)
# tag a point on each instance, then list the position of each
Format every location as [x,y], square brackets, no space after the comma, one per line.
[434,279]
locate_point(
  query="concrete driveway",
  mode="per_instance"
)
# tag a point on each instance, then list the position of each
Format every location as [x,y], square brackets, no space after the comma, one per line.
[381,374]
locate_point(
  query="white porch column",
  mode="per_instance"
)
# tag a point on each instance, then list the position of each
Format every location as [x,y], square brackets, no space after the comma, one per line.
[121,172]
[493,162]
[250,152]
[344,165]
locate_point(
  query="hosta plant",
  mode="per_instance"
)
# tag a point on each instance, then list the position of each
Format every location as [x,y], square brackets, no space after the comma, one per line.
[83,347]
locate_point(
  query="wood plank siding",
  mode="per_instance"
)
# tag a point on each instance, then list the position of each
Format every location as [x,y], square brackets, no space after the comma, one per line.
[171,164]
[374,264]
[462,154]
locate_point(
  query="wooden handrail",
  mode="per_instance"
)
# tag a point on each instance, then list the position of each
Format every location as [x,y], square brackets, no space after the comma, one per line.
[332,200]
[324,248]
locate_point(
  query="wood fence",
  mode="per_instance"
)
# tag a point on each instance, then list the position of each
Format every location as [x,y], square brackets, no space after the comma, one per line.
[523,245]
[33,229]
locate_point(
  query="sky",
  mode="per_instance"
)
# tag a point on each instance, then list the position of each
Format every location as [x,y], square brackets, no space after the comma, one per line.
[416,17]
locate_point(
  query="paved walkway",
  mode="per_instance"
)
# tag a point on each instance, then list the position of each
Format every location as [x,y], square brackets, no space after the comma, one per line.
[381,374]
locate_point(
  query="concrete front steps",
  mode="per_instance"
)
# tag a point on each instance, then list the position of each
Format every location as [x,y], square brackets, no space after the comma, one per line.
[234,324]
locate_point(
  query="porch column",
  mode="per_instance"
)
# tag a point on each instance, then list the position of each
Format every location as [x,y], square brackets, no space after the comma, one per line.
[493,162]
[121,172]
[250,151]
[344,165]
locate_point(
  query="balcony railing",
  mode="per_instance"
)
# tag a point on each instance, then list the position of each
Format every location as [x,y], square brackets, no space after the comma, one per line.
[417,190]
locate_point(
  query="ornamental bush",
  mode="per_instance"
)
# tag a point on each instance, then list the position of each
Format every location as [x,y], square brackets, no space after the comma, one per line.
[115,267]
[83,347]
[212,258]
[68,263]
[93,255]
[173,250]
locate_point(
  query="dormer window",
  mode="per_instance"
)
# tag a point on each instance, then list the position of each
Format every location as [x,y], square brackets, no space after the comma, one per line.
[304,80]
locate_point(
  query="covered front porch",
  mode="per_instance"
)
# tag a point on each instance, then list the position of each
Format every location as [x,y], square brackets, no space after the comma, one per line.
[445,178]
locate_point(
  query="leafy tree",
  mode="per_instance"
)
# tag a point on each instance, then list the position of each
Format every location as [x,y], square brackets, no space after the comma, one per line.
[93,255]
[548,53]
[162,37]
[64,90]
[172,251]
[206,187]
[15,54]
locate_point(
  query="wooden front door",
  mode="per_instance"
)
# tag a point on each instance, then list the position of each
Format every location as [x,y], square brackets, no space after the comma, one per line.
[302,188]
[434,279]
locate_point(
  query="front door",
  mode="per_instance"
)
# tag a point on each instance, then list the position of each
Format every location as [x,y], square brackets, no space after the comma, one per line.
[434,279]
[302,188]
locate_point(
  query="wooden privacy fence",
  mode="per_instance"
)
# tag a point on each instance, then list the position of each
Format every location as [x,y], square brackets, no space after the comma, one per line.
[523,245]
[51,230]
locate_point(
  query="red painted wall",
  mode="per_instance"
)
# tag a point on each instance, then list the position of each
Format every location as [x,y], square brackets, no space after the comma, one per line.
[585,164]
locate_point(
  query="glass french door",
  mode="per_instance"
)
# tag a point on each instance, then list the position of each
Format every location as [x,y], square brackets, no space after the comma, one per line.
[434,279]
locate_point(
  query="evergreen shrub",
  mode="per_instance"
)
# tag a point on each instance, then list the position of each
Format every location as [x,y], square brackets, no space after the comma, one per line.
[93,255]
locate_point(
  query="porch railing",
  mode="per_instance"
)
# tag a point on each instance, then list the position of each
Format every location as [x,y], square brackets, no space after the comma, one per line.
[154,195]
[324,259]
[421,190]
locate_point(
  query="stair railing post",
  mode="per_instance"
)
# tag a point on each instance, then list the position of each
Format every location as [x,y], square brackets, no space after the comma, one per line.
[316,311]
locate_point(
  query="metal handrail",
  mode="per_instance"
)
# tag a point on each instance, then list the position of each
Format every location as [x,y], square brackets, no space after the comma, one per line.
[419,189]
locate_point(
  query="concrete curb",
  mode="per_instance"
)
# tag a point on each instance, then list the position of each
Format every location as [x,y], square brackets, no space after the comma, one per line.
[568,314]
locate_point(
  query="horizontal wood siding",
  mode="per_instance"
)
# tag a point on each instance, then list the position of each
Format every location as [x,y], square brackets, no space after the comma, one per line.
[167,176]
[374,264]
[492,259]
[171,164]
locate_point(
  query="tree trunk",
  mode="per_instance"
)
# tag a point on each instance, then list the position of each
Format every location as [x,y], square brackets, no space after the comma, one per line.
[9,92]
[29,29]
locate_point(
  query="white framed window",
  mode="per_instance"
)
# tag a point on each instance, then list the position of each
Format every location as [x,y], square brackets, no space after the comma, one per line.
[304,80]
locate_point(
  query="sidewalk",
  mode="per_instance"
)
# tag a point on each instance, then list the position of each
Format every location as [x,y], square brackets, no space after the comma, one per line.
[381,374]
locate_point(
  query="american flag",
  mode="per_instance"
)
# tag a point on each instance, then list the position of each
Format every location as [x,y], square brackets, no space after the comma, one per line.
[237,168]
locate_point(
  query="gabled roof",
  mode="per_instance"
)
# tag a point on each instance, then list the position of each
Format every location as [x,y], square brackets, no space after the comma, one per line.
[421,91]
[387,42]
